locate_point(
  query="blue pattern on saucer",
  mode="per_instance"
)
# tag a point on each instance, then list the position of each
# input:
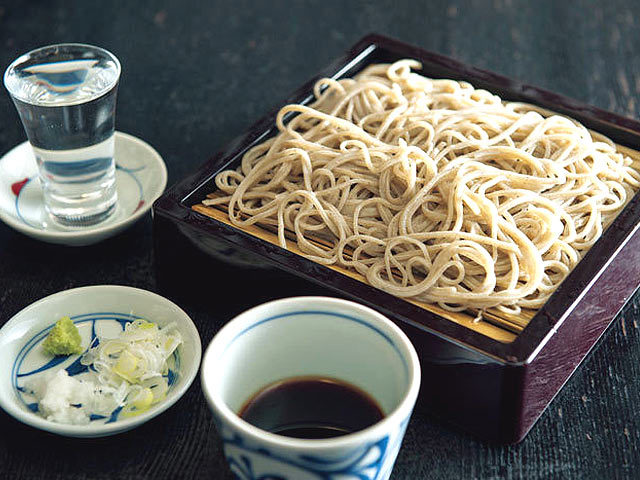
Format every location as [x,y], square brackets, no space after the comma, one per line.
[28,183]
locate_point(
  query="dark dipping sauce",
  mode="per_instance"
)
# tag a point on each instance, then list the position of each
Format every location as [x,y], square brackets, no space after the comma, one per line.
[311,407]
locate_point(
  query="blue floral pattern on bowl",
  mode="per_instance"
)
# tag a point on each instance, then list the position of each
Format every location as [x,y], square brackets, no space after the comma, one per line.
[251,462]
[317,336]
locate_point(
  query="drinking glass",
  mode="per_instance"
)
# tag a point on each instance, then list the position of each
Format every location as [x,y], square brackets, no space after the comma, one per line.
[66,97]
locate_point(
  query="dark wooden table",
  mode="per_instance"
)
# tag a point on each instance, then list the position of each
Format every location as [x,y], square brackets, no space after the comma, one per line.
[195,74]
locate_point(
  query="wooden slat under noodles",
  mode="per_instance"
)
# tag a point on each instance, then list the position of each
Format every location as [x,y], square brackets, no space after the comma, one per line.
[634,155]
[513,323]
[495,325]
[499,325]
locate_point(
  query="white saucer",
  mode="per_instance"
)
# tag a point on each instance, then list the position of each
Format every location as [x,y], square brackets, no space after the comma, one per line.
[98,311]
[141,177]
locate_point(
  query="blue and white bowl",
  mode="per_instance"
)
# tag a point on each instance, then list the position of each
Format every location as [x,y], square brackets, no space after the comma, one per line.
[320,337]
[99,312]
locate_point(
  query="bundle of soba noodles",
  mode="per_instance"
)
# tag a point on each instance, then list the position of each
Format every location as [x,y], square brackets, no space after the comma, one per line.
[431,189]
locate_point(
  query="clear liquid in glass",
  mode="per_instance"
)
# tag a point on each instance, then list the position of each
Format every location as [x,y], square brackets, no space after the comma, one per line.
[66,98]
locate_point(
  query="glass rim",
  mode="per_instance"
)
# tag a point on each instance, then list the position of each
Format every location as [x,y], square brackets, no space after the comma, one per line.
[25,56]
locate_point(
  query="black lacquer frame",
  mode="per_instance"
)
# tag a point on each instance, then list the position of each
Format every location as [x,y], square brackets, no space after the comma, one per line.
[555,340]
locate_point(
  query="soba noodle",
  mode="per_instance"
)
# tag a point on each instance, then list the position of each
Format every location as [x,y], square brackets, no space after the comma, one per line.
[431,189]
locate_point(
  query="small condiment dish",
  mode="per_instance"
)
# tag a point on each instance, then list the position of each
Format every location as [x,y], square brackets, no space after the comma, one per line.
[100,311]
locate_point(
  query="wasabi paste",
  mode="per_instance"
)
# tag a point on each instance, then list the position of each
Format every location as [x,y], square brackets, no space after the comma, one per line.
[64,339]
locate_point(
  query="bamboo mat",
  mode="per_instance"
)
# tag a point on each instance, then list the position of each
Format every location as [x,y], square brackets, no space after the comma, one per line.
[494,324]
[500,326]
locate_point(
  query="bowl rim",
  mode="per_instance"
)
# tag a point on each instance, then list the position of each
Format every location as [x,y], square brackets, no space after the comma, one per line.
[185,379]
[401,412]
